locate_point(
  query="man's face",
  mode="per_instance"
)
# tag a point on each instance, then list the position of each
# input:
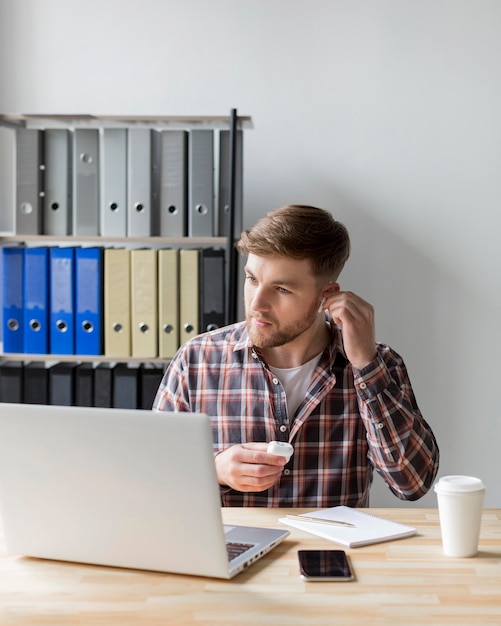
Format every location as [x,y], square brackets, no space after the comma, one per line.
[281,299]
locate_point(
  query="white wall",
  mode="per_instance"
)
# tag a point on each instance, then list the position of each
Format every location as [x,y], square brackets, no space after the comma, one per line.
[387,112]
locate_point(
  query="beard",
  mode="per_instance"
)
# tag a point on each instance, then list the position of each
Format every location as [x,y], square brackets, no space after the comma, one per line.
[279,335]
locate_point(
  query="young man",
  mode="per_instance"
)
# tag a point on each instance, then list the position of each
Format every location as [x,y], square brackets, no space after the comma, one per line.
[303,368]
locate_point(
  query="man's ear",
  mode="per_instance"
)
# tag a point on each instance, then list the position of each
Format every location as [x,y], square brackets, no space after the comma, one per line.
[330,289]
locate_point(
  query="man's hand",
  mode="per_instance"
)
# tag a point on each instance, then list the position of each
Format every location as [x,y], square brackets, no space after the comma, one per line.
[356,318]
[248,467]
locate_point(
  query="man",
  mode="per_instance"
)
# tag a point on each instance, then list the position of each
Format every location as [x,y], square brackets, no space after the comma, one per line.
[303,368]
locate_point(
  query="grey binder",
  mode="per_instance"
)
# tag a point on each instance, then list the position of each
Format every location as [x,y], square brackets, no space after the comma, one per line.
[29,181]
[173,183]
[86,181]
[113,212]
[201,183]
[139,182]
[224,183]
[58,170]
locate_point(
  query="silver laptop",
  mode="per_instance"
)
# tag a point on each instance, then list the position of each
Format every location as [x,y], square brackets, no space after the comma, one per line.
[124,488]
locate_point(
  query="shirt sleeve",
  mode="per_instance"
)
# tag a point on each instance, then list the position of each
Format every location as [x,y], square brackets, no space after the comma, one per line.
[173,393]
[402,446]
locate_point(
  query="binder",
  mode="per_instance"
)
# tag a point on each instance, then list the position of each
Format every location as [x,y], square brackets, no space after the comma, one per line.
[188,294]
[144,305]
[86,182]
[201,183]
[168,303]
[36,383]
[224,183]
[58,174]
[211,281]
[84,384]
[125,386]
[103,385]
[36,300]
[7,179]
[62,384]
[173,183]
[150,377]
[29,181]
[113,212]
[12,299]
[61,301]
[88,300]
[117,303]
[11,381]
[139,150]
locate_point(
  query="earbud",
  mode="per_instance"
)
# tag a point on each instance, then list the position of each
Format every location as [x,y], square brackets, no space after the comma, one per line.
[321,304]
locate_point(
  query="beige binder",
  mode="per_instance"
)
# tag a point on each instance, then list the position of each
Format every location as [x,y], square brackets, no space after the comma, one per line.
[188,294]
[168,303]
[144,303]
[117,340]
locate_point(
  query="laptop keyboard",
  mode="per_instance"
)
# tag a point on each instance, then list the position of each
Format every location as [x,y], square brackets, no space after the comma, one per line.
[235,549]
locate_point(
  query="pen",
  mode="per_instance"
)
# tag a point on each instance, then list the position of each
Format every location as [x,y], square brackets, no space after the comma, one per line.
[319,520]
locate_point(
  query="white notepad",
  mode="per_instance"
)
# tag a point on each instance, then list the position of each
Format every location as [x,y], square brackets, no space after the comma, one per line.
[366,528]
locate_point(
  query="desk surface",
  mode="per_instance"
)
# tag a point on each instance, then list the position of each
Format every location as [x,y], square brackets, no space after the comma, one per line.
[403,582]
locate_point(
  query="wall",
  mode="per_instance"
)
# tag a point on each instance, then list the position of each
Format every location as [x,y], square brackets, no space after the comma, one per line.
[384,111]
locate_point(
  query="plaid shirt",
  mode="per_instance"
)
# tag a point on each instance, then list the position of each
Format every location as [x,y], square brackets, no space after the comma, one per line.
[350,422]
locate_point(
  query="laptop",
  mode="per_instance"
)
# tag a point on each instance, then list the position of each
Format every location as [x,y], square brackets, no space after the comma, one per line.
[123,488]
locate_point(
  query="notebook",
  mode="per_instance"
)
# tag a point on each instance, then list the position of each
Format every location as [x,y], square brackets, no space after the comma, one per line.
[366,528]
[125,488]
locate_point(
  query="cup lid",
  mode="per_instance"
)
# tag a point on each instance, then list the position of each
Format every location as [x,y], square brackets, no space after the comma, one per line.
[459,484]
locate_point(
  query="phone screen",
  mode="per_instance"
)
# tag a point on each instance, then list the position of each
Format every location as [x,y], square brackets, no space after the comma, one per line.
[324,565]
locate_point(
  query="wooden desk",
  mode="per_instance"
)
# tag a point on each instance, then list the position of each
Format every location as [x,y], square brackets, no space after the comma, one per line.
[404,582]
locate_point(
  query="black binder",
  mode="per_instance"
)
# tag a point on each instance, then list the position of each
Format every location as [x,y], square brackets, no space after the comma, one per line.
[150,377]
[211,285]
[36,383]
[11,381]
[84,385]
[103,385]
[125,386]
[62,384]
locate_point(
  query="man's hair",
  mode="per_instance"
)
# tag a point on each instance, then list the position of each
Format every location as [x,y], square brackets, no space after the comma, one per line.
[300,232]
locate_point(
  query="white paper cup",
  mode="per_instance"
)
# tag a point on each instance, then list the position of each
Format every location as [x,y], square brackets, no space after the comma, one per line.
[460,502]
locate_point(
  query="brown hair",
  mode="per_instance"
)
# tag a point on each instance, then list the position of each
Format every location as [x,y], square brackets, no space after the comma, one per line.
[300,232]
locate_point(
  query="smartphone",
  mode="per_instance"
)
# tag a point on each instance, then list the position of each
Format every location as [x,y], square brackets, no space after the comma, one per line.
[324,565]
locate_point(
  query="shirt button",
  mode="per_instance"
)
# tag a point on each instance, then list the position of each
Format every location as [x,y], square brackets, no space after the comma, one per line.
[275,381]
[283,428]
[379,425]
[363,385]
[286,472]
[254,355]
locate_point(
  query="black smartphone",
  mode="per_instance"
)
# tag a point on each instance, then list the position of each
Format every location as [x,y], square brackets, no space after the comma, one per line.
[324,565]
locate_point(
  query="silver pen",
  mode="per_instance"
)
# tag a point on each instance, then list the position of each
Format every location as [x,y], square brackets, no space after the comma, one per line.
[319,520]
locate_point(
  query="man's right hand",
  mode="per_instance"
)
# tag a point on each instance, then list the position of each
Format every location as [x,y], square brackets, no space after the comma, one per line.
[248,467]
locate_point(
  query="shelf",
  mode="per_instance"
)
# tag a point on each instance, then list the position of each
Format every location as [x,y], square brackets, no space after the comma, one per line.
[80,358]
[55,120]
[184,241]
[43,121]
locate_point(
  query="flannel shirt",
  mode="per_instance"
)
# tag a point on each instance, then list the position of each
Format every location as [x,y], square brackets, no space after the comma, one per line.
[350,422]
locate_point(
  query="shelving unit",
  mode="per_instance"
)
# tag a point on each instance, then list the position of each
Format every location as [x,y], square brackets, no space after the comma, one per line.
[233,122]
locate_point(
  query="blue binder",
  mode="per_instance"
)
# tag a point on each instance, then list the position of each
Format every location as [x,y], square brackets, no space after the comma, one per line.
[12,299]
[62,322]
[89,300]
[36,317]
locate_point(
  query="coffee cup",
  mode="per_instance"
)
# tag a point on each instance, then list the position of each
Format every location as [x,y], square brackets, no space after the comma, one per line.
[460,503]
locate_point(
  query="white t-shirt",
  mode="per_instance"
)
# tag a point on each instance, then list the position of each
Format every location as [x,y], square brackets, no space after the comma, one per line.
[295,381]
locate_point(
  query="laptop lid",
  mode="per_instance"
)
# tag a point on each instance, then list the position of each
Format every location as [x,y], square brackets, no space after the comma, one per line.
[125,488]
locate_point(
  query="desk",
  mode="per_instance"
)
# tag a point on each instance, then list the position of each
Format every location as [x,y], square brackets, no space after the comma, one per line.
[404,582]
